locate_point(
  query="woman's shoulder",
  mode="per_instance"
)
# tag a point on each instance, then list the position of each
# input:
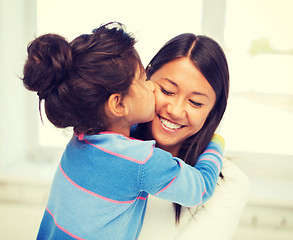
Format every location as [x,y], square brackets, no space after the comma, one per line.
[234,177]
[221,213]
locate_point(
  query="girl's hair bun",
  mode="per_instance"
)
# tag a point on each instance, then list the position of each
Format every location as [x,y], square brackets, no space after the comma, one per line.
[49,61]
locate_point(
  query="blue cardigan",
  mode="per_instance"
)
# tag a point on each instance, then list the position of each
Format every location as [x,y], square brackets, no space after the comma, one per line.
[101,186]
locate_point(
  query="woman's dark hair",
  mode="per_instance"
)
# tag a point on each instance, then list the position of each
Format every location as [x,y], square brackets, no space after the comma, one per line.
[209,58]
[75,79]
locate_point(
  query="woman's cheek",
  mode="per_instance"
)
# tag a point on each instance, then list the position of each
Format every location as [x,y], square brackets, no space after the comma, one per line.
[160,100]
[197,118]
[202,118]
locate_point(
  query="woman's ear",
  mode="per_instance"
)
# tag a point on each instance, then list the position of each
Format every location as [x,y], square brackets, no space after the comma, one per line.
[115,105]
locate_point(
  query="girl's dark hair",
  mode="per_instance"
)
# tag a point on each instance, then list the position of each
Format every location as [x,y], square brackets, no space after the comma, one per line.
[209,58]
[75,79]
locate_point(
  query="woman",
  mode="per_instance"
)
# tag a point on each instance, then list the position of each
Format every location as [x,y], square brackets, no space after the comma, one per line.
[192,85]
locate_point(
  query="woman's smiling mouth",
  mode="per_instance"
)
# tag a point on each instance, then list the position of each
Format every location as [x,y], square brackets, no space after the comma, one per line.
[170,126]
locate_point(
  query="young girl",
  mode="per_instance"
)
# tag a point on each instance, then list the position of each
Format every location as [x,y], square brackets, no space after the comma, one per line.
[97,85]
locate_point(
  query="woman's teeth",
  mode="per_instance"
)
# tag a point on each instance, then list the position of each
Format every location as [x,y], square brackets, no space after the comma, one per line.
[169,124]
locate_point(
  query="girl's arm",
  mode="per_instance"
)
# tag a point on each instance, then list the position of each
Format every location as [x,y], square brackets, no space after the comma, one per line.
[172,179]
[213,152]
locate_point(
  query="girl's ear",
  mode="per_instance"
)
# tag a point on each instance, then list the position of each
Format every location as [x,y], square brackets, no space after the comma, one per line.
[115,105]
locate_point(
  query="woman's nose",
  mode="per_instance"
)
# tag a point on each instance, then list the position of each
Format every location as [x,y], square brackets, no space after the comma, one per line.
[176,109]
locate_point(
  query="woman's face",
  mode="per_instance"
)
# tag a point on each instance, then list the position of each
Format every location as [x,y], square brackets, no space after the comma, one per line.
[184,99]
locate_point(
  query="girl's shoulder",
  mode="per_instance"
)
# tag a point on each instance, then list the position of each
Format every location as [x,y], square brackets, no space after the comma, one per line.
[119,145]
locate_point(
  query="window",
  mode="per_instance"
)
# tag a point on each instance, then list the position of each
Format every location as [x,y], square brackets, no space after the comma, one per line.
[152,27]
[259,48]
[256,36]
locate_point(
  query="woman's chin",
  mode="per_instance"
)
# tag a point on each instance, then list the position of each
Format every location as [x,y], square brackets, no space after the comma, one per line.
[165,137]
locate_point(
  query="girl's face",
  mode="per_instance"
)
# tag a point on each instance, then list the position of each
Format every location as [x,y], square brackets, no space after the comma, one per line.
[140,100]
[184,99]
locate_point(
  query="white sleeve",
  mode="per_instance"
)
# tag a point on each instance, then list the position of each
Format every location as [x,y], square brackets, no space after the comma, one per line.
[219,217]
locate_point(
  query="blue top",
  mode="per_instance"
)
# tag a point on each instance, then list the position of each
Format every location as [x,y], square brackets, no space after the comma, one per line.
[101,186]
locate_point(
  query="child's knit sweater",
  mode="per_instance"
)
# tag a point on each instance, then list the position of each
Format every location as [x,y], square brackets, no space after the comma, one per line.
[101,186]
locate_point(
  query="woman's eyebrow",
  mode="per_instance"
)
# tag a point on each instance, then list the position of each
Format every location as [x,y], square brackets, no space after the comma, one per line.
[170,81]
[194,92]
[201,94]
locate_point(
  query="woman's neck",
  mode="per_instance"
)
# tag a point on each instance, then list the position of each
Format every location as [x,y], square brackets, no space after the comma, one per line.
[174,150]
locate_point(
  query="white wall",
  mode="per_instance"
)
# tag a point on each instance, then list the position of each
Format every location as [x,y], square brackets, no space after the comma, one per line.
[17,28]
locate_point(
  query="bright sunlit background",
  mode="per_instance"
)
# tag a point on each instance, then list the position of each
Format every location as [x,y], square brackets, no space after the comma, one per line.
[257,37]
[152,23]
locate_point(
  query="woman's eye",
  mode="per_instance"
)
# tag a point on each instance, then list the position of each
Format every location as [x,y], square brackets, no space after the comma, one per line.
[195,104]
[166,92]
